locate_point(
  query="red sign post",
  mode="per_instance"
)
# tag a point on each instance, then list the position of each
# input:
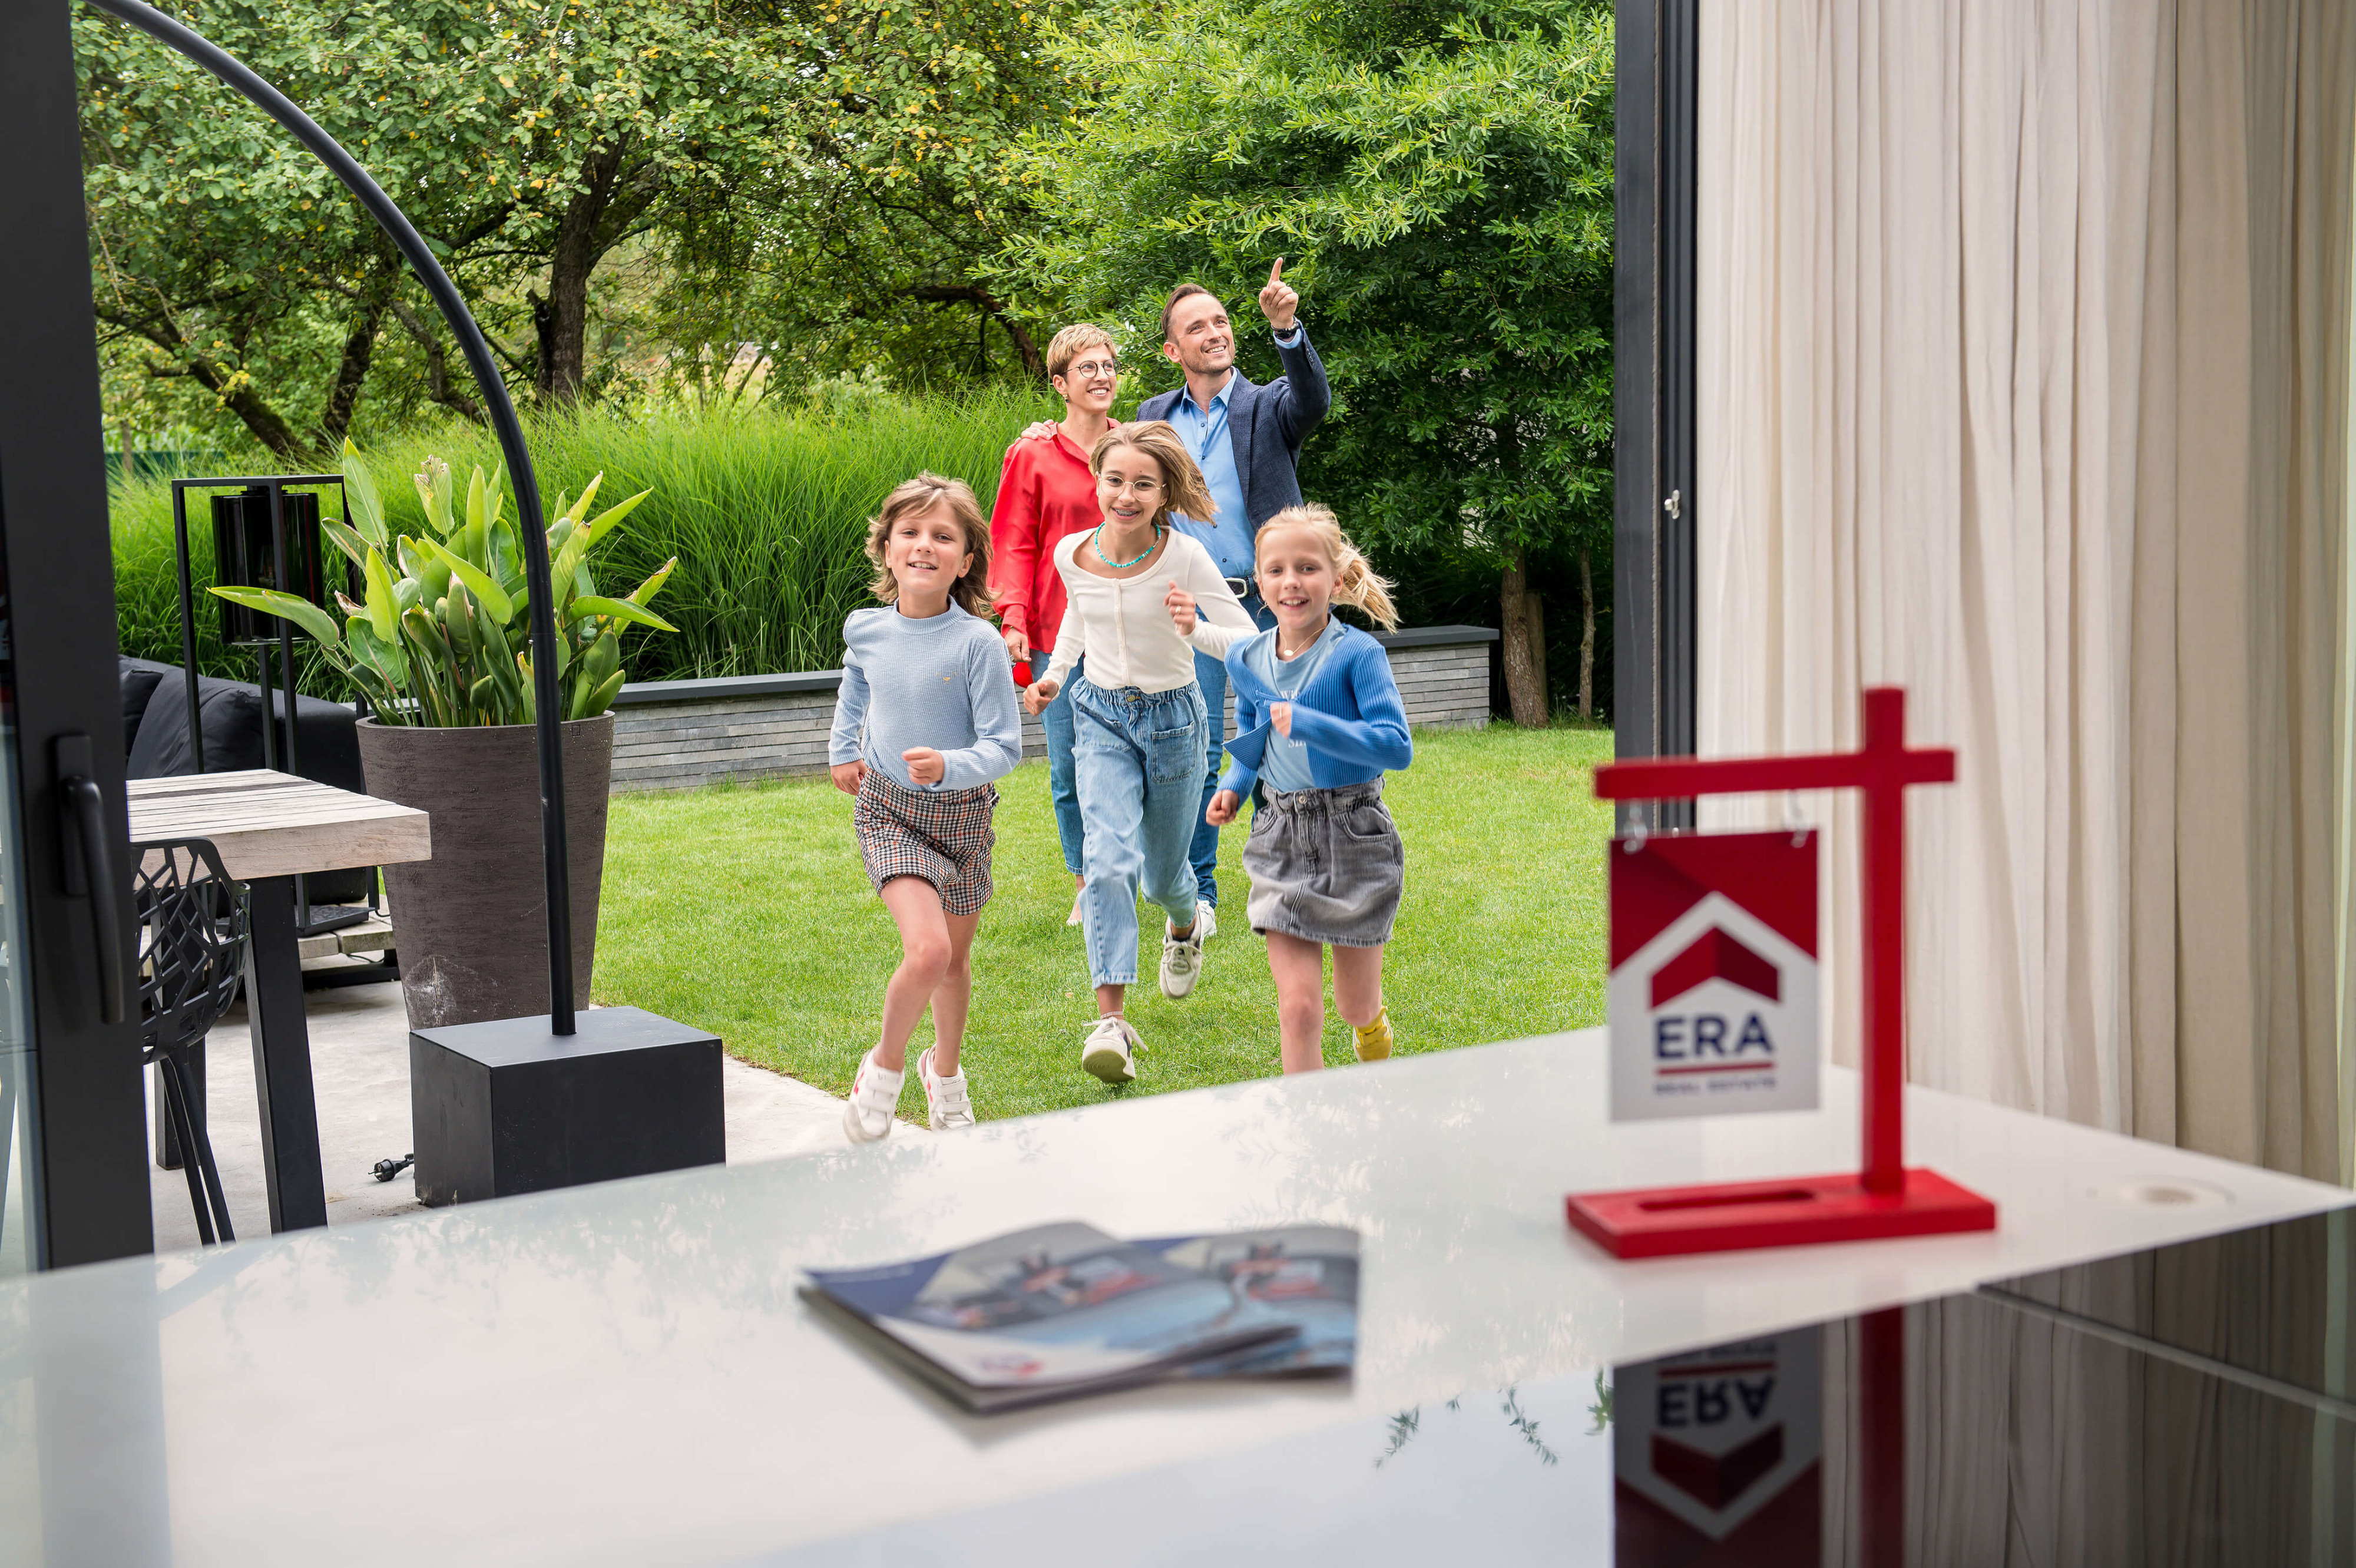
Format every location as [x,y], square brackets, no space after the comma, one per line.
[1884,1199]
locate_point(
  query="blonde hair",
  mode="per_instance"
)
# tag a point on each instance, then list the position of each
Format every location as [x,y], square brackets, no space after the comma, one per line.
[1183,489]
[970,592]
[1355,583]
[1071,340]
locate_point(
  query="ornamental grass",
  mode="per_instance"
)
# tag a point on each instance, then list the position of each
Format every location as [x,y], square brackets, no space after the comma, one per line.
[764,509]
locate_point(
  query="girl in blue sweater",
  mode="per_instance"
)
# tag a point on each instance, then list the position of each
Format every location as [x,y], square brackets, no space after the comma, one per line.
[1319,721]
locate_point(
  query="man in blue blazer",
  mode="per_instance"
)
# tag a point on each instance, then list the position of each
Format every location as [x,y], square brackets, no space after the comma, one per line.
[1248,438]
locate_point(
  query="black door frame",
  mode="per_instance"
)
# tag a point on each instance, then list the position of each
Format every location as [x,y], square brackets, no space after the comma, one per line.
[1656,62]
[91,1187]
[53,526]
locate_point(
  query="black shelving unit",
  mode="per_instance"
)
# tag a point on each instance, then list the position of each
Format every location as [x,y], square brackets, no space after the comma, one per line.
[279,750]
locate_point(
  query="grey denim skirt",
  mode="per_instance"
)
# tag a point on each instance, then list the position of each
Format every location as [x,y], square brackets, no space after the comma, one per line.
[1326,866]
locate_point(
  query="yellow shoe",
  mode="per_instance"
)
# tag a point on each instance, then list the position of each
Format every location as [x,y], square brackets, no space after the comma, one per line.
[1374,1039]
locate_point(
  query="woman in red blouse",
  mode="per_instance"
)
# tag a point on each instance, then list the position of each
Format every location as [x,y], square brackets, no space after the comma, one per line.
[1045,492]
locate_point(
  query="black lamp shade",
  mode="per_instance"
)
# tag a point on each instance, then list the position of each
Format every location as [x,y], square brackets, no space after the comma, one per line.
[243,558]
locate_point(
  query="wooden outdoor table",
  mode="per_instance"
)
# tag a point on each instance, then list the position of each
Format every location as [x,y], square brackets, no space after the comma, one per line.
[269,828]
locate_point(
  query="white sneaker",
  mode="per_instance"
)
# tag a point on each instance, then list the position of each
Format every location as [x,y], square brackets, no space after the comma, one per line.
[1182,961]
[1206,920]
[875,1096]
[1106,1051]
[1074,918]
[947,1105]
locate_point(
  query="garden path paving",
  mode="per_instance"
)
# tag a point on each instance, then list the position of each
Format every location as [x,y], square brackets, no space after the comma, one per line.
[360,1058]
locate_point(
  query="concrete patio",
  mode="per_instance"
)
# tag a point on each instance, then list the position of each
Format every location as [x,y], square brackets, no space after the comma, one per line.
[359,1061]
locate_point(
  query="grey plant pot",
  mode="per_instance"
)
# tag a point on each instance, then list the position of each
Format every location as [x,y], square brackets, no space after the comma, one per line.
[470,925]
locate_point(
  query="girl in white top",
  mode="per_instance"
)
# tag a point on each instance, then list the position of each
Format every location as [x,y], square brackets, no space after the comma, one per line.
[1142,596]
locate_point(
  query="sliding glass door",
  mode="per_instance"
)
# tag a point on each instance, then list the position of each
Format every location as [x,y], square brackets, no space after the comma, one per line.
[73,1176]
[1654,641]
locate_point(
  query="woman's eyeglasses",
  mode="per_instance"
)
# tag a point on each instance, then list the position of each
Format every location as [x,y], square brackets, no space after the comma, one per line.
[1095,368]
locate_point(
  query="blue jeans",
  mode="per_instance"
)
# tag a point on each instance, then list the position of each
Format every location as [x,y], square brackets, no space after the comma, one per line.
[1136,754]
[1210,675]
[1055,718]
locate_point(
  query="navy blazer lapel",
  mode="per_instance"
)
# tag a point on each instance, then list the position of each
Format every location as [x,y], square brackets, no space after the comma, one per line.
[1240,401]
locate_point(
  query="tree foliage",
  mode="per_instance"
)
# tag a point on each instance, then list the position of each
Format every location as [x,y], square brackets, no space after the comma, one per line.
[517,138]
[867,244]
[814,177]
[1437,173]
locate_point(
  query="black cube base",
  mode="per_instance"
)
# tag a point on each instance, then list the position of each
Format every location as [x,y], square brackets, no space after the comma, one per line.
[505,1107]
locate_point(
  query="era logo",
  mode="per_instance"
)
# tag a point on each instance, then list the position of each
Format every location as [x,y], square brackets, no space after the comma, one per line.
[1711,1402]
[1677,1037]
[1714,1438]
[1715,1009]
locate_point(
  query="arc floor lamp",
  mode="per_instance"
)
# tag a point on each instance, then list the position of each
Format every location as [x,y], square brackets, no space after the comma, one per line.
[514,1104]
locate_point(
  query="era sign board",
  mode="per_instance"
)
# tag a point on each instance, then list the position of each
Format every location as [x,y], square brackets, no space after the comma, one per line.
[1717,1455]
[1713,991]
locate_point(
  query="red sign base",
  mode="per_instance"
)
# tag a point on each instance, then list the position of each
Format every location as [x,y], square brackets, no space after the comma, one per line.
[1670,1222]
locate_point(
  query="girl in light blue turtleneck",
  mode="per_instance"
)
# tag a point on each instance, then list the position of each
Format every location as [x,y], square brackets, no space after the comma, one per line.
[927,717]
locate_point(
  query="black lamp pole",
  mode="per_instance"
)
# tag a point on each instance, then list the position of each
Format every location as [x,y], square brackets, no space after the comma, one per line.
[545,698]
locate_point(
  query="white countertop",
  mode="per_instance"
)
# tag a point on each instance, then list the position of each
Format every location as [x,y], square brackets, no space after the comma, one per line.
[622,1373]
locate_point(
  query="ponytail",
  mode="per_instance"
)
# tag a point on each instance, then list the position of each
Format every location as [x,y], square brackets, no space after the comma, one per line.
[1360,586]
[1356,582]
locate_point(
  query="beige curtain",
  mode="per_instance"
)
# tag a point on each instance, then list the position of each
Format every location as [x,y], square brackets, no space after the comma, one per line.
[2024,370]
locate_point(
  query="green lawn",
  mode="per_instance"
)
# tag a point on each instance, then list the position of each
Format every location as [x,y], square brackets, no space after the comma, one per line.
[744,910]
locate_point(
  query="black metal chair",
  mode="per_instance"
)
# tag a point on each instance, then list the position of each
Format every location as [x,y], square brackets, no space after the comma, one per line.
[192,932]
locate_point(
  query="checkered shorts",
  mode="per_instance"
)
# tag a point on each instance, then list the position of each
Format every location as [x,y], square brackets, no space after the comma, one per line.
[942,836]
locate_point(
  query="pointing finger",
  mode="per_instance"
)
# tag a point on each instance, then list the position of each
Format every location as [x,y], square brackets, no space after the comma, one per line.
[1276,272]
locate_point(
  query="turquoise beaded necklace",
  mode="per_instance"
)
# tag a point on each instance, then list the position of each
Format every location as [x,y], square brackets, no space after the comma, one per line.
[1122,565]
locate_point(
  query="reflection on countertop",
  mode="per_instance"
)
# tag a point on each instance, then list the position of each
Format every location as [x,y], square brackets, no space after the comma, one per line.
[623,1373]
[2181,1404]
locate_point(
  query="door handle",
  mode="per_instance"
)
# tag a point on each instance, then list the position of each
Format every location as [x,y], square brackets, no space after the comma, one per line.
[90,873]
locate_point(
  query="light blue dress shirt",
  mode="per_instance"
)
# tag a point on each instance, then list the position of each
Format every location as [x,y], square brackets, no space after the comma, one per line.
[1229,534]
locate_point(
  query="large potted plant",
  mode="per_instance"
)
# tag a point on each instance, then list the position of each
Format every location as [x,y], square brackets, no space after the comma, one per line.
[438,644]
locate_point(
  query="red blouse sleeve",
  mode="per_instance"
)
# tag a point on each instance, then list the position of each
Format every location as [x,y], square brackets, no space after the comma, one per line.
[1014,542]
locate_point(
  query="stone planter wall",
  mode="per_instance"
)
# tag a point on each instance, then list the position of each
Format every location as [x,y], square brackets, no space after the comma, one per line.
[676,735]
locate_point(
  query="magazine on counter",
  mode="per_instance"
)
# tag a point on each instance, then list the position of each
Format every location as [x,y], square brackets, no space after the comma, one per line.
[1305,1276]
[1047,1314]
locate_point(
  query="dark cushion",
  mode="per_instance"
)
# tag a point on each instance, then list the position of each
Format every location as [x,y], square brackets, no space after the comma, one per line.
[140,679]
[327,745]
[327,748]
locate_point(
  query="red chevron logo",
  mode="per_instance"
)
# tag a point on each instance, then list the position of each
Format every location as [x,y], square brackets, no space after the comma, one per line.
[1716,956]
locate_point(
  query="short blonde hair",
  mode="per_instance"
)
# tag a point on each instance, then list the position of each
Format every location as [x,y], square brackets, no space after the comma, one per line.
[924,493]
[1355,583]
[1183,489]
[1071,340]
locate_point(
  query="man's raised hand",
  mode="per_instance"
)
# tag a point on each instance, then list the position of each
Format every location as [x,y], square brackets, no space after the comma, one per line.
[1278,301]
